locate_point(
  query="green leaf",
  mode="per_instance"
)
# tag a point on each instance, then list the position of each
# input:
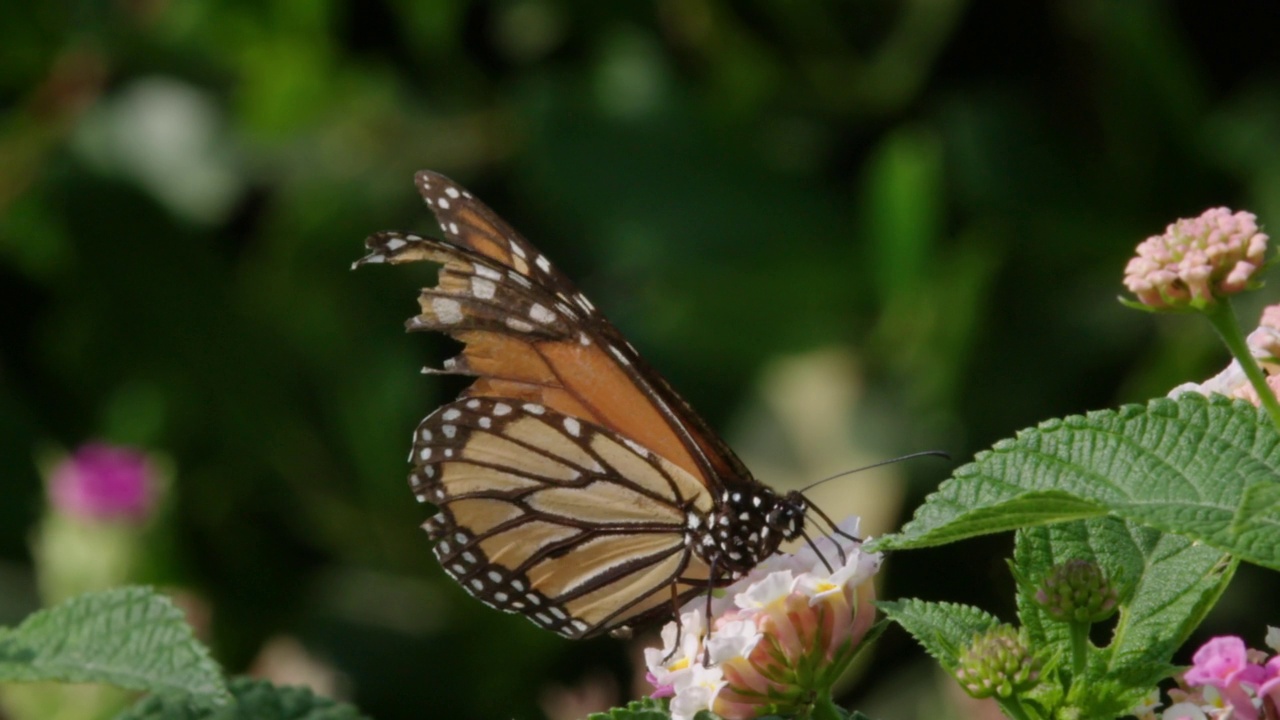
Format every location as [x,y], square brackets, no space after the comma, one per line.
[943,629]
[252,700]
[1205,468]
[643,709]
[131,637]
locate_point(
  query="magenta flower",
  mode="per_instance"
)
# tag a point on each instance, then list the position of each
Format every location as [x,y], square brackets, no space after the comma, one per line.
[104,482]
[1197,261]
[1223,663]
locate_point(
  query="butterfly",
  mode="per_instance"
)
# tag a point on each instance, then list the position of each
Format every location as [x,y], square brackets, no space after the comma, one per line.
[574,486]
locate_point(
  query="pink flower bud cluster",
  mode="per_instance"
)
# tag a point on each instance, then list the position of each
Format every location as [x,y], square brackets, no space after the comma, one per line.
[777,636]
[1197,261]
[1225,680]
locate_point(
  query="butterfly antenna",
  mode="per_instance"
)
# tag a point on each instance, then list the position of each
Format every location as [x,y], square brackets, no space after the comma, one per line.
[911,456]
[835,529]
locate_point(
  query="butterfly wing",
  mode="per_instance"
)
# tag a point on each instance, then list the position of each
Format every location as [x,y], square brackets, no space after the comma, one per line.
[519,486]
[640,459]
[636,400]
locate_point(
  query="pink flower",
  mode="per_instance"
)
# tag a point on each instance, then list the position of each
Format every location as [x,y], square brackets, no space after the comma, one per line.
[104,482]
[1223,663]
[1269,688]
[792,628]
[1197,260]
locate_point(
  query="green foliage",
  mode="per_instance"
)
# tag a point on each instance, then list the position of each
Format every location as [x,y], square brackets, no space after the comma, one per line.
[942,628]
[251,700]
[1201,468]
[131,637]
[1174,494]
[644,709]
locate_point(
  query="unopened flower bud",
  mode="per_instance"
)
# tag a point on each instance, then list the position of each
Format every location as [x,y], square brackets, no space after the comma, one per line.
[1077,591]
[997,664]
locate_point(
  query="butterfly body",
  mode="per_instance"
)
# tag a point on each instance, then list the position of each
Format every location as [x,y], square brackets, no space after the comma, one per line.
[574,486]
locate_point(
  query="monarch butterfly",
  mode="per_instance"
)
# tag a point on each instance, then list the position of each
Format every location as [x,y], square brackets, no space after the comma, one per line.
[573,485]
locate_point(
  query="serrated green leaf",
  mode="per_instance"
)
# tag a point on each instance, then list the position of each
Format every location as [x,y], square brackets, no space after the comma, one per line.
[643,709]
[1205,468]
[943,629]
[251,700]
[131,637]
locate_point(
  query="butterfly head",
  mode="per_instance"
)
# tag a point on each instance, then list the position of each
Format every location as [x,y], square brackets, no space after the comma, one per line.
[746,527]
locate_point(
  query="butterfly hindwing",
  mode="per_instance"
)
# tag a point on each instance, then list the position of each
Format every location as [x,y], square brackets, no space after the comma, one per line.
[518,485]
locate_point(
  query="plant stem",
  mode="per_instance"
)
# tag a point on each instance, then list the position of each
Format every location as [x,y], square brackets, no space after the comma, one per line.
[1224,321]
[824,708]
[1013,708]
[1079,647]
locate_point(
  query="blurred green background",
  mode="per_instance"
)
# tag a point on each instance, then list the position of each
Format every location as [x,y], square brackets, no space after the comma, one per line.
[845,230]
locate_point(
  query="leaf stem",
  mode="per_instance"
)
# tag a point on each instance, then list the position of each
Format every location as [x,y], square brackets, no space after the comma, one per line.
[1079,647]
[1013,707]
[824,709]
[1223,319]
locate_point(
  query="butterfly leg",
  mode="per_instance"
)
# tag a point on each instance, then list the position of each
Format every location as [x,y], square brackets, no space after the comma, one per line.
[675,611]
[706,648]
[835,529]
[818,552]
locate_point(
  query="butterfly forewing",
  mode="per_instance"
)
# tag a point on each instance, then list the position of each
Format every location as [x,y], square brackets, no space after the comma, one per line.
[519,485]
[523,342]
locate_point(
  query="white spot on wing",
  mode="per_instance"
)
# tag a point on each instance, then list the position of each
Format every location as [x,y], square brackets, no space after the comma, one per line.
[543,263]
[534,408]
[451,192]
[485,271]
[622,358]
[447,310]
[451,414]
[518,325]
[501,409]
[443,203]
[541,314]
[483,288]
[572,426]
[516,248]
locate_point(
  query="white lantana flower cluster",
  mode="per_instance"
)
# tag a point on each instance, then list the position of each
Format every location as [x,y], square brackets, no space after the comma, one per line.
[776,637]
